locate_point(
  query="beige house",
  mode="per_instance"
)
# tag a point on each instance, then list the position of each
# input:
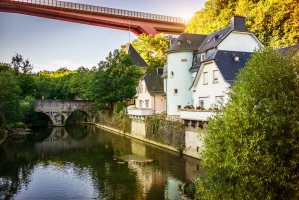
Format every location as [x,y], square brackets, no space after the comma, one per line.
[150,97]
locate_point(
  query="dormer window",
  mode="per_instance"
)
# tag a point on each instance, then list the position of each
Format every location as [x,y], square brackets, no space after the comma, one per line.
[236,58]
[179,42]
[189,41]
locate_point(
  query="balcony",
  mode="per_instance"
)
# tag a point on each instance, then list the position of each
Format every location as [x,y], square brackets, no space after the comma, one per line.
[140,111]
[196,115]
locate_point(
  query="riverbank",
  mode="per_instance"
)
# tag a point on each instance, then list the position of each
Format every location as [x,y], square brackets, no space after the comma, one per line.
[116,131]
[3,135]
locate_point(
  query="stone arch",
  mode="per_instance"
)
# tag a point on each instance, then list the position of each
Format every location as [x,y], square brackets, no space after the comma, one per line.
[87,118]
[50,120]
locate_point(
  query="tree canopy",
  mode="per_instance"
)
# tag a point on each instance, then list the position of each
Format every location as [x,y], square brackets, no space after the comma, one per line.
[275,22]
[152,49]
[251,147]
[116,79]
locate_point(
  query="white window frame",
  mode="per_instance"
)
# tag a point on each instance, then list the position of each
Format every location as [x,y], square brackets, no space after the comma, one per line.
[215,76]
[205,78]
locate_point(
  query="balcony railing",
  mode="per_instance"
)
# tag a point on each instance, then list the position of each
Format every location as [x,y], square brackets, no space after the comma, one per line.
[196,115]
[100,9]
[140,111]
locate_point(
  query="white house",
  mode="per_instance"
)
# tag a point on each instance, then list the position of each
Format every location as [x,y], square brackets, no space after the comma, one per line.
[177,77]
[221,55]
[150,96]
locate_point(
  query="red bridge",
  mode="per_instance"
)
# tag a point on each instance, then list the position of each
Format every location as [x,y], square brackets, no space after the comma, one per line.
[137,22]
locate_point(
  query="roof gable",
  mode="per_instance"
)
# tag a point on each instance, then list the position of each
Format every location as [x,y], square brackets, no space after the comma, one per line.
[154,82]
[187,42]
[228,62]
[135,57]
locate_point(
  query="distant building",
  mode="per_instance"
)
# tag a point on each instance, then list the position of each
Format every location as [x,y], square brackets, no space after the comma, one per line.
[150,97]
[135,56]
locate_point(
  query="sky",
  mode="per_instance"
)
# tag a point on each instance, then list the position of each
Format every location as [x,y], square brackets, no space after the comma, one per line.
[52,44]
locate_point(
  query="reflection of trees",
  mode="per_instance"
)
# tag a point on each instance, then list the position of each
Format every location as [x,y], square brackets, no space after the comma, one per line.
[15,168]
[93,153]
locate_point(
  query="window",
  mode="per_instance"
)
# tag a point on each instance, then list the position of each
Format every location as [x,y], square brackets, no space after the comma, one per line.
[141,88]
[236,58]
[175,91]
[201,103]
[179,107]
[219,99]
[146,103]
[159,70]
[205,78]
[140,104]
[184,60]
[171,74]
[202,57]
[189,41]
[215,76]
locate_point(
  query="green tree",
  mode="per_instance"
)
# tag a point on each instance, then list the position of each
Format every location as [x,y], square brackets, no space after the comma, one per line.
[275,22]
[21,65]
[115,80]
[251,147]
[9,98]
[152,49]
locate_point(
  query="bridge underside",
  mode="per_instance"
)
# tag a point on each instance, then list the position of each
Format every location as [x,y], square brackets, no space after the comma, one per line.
[135,25]
[61,118]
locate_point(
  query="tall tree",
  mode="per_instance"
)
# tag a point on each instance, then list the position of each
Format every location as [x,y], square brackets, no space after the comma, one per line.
[152,49]
[21,65]
[9,98]
[115,80]
[275,22]
[251,148]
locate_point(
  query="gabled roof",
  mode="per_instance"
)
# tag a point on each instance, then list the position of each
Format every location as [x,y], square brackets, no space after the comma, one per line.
[153,82]
[214,39]
[187,42]
[226,63]
[284,50]
[135,57]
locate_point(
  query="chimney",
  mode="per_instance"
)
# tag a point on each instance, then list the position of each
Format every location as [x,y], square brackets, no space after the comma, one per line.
[238,23]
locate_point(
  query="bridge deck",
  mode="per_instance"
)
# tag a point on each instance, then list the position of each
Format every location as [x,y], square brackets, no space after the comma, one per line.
[100,9]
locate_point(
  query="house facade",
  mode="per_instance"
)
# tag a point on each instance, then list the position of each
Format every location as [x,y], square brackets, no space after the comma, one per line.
[222,55]
[201,68]
[177,78]
[150,96]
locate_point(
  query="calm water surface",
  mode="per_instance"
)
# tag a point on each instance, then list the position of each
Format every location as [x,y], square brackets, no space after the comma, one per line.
[85,162]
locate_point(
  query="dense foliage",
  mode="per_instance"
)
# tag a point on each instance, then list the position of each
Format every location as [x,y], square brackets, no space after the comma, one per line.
[116,79]
[152,49]
[251,148]
[275,22]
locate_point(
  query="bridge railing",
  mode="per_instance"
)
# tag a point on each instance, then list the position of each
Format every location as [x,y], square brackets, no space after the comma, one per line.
[100,9]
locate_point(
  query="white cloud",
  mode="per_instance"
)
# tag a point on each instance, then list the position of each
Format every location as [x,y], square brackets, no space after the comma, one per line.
[60,63]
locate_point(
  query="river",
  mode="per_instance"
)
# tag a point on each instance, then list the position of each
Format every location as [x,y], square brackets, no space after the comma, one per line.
[86,162]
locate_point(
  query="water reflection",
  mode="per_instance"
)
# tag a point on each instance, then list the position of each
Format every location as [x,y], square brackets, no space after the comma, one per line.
[83,162]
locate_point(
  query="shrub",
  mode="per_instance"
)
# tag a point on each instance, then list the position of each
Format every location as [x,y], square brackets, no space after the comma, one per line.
[251,147]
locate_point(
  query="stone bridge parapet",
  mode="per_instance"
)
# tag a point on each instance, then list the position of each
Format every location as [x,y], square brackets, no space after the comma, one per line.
[60,110]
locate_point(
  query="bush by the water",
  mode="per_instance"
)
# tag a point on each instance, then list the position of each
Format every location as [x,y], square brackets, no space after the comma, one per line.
[252,149]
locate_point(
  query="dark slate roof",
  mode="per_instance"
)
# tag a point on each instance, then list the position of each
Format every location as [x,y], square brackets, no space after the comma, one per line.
[228,66]
[187,42]
[284,50]
[135,57]
[154,82]
[214,39]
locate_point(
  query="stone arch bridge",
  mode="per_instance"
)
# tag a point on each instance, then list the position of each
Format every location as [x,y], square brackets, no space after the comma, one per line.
[59,110]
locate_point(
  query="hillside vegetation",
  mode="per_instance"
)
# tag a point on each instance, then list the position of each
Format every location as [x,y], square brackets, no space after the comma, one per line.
[275,22]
